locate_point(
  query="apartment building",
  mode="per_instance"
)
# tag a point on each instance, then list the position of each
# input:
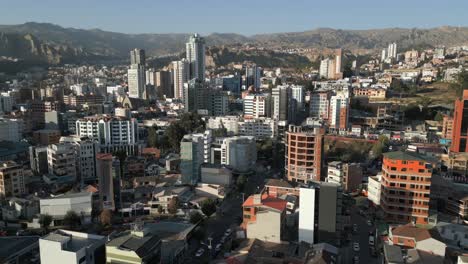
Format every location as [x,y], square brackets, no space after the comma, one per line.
[406,183]
[460,125]
[257,105]
[347,175]
[61,161]
[304,151]
[12,182]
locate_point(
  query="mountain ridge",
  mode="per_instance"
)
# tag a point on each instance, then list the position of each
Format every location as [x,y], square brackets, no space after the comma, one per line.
[55,44]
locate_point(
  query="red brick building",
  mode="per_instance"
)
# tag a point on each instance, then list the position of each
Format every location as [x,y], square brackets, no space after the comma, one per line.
[406,182]
[460,124]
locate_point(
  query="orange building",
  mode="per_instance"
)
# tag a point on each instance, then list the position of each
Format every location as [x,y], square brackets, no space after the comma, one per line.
[447,127]
[406,182]
[460,125]
[304,151]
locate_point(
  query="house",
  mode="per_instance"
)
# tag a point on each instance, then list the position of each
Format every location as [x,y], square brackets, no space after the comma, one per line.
[410,236]
[58,206]
[136,246]
[264,217]
[276,187]
[455,235]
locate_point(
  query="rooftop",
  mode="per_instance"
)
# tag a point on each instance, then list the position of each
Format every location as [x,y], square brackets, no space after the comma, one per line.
[406,155]
[418,234]
[278,183]
[74,241]
[268,201]
[141,245]
[10,246]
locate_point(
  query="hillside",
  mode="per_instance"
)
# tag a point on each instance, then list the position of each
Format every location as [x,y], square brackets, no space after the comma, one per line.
[54,44]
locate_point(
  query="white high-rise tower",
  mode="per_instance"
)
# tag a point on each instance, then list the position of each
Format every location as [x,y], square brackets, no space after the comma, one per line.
[195,48]
[180,76]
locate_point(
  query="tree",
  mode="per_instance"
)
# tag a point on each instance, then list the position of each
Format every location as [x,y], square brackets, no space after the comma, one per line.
[438,117]
[220,132]
[188,123]
[106,217]
[195,217]
[173,205]
[45,220]
[208,207]
[381,146]
[71,219]
[160,209]
[461,83]
[153,137]
[240,182]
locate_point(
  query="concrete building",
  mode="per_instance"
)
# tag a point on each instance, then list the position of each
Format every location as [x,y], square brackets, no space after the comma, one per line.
[347,175]
[194,151]
[46,136]
[163,84]
[136,81]
[406,183]
[284,107]
[215,174]
[253,73]
[260,128]
[374,189]
[137,56]
[320,105]
[12,181]
[136,247]
[195,55]
[85,152]
[239,153]
[58,206]
[180,75]
[111,133]
[339,112]
[38,159]
[460,125]
[106,182]
[320,213]
[410,236]
[264,217]
[18,249]
[304,151]
[10,130]
[297,94]
[257,105]
[63,246]
[61,161]
[202,99]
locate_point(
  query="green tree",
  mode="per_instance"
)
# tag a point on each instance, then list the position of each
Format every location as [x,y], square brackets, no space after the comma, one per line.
[173,205]
[461,83]
[188,123]
[71,219]
[240,182]
[195,217]
[160,209]
[220,132]
[45,220]
[438,117]
[208,207]
[153,137]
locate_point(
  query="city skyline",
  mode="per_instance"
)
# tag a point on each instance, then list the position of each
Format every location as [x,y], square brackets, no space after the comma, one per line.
[269,17]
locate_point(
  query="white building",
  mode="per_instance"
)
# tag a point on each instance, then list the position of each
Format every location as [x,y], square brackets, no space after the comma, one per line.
[339,112]
[111,133]
[230,123]
[374,189]
[239,153]
[61,161]
[63,246]
[392,50]
[136,81]
[297,93]
[10,129]
[320,105]
[194,151]
[257,105]
[260,128]
[58,206]
[181,73]
[85,151]
[325,68]
[195,54]
[6,102]
[307,215]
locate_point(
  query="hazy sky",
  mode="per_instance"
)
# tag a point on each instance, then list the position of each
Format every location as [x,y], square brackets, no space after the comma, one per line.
[236,16]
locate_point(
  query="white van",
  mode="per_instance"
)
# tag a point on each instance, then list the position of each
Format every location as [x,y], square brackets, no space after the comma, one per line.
[371,240]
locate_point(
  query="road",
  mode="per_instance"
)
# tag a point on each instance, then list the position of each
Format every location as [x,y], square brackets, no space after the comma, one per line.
[362,237]
[229,215]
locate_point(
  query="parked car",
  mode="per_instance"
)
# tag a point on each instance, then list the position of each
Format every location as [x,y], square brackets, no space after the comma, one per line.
[371,241]
[199,252]
[356,246]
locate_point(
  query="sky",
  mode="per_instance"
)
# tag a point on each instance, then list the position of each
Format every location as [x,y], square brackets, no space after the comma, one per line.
[246,17]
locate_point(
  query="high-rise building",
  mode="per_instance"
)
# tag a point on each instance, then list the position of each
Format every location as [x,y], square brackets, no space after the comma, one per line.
[38,159]
[297,94]
[104,169]
[195,49]
[136,81]
[137,56]
[85,151]
[347,175]
[12,182]
[338,64]
[321,213]
[252,77]
[460,124]
[181,73]
[200,98]
[320,104]
[239,153]
[406,187]
[284,107]
[339,112]
[194,151]
[257,105]
[163,84]
[392,50]
[304,151]
[10,130]
[111,133]
[61,160]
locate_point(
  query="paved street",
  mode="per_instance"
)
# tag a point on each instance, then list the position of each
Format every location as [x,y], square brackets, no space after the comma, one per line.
[362,237]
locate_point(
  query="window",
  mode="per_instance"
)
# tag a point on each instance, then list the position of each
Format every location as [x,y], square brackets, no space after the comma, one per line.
[403,185]
[403,177]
